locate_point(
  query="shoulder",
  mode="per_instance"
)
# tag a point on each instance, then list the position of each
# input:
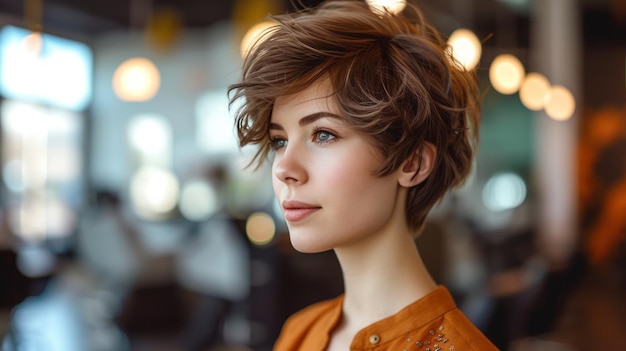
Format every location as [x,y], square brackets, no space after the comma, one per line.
[452,327]
[433,322]
[310,325]
[460,330]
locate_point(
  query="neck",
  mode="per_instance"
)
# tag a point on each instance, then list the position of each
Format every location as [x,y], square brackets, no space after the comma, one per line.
[381,277]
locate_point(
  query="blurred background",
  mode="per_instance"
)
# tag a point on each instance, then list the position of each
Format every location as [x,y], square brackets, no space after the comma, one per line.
[129,222]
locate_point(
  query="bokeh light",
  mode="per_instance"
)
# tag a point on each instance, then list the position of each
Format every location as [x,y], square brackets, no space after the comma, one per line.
[504,191]
[149,134]
[40,217]
[393,6]
[198,200]
[465,47]
[150,140]
[35,261]
[28,221]
[506,74]
[136,79]
[253,35]
[534,91]
[260,228]
[560,103]
[154,192]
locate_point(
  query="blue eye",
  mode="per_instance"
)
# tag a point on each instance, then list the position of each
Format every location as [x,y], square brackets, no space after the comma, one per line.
[323,136]
[278,143]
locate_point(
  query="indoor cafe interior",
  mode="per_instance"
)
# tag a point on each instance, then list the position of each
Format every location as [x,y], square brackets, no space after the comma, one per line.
[130,219]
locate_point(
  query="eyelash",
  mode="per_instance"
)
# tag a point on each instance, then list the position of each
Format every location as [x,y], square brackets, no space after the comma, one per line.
[277,143]
[317,131]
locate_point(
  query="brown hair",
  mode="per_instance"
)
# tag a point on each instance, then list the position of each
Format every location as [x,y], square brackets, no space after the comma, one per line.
[392,78]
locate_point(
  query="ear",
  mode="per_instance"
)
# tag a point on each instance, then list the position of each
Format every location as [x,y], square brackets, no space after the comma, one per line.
[419,166]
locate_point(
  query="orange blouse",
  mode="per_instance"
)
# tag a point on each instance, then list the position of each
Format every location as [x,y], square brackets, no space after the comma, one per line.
[432,323]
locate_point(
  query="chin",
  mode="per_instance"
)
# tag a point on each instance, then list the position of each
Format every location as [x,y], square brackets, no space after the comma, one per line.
[307,244]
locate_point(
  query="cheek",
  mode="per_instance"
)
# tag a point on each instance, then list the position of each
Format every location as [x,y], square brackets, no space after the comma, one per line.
[355,177]
[347,176]
[337,174]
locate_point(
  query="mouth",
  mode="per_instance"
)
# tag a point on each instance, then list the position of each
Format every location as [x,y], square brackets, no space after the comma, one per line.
[296,211]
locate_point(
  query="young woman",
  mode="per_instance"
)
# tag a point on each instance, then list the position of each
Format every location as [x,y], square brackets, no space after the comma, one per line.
[368,122]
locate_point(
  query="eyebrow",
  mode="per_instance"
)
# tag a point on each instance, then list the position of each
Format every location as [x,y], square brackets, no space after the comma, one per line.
[308,119]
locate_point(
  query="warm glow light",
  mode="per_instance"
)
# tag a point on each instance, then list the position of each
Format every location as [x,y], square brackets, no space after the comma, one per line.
[136,79]
[253,35]
[260,228]
[560,103]
[534,91]
[465,47]
[506,74]
[154,192]
[198,201]
[393,6]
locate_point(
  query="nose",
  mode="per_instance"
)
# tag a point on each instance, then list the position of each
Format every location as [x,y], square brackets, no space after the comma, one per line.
[289,166]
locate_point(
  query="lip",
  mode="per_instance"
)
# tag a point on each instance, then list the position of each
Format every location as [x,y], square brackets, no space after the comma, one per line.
[296,210]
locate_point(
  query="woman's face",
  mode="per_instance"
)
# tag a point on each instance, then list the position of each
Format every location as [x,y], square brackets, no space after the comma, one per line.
[324,175]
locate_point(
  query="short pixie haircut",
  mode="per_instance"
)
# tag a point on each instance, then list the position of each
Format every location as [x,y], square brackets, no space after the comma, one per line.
[392,78]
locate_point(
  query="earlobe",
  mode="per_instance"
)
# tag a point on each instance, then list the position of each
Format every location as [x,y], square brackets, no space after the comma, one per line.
[418,167]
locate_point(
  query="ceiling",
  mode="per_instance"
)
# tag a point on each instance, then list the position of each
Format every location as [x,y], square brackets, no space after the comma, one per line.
[604,21]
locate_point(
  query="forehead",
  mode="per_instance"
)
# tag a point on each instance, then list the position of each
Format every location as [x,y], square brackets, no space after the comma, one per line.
[316,97]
